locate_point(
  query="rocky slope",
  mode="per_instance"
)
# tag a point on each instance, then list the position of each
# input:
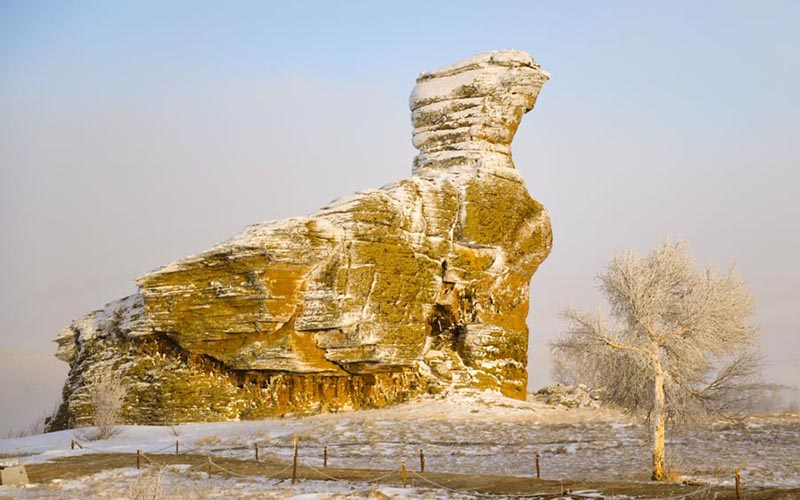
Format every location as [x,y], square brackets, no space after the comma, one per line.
[373,299]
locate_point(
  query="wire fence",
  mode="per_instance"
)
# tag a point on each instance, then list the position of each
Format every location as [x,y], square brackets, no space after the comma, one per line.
[159,457]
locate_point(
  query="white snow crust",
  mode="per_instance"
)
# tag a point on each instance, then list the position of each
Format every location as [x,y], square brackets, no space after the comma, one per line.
[465,432]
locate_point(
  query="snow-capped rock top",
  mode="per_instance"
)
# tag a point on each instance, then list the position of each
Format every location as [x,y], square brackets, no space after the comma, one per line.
[466,114]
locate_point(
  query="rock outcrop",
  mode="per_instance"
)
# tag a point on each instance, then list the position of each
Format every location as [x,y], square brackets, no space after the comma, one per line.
[570,396]
[373,299]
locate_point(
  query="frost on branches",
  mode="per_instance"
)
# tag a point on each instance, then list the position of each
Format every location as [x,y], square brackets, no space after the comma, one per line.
[677,345]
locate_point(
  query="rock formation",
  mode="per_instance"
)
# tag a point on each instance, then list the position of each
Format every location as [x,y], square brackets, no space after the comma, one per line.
[570,396]
[375,298]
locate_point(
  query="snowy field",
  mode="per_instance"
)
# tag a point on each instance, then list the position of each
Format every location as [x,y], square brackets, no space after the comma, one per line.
[468,432]
[173,483]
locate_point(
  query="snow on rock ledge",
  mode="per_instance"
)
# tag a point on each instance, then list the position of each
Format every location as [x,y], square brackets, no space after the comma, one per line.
[468,113]
[379,296]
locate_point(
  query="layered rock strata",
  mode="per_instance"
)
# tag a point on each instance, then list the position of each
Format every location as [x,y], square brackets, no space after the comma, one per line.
[375,298]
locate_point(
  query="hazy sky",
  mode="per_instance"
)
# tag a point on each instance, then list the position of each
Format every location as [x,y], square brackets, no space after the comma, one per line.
[136,133]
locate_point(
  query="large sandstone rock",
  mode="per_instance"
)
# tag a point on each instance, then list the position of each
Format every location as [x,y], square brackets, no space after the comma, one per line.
[373,299]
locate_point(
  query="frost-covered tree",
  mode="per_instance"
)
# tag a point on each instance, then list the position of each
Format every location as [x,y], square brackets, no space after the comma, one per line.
[106,395]
[676,346]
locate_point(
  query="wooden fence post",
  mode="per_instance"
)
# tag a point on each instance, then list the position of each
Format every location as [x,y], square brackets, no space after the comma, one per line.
[176,446]
[256,445]
[294,462]
[325,457]
[72,444]
[403,473]
[538,476]
[138,459]
[738,484]
[421,461]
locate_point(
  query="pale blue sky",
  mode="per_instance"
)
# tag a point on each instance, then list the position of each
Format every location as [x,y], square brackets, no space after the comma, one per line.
[135,133]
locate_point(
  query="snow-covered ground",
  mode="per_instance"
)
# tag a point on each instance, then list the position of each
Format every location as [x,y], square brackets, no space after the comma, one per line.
[466,432]
[173,482]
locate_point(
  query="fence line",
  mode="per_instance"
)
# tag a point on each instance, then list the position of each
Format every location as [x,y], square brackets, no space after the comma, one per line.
[223,469]
[360,480]
[475,493]
[685,495]
[323,474]
[382,476]
[209,463]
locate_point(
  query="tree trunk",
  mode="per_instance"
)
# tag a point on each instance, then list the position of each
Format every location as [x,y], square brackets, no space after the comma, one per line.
[659,474]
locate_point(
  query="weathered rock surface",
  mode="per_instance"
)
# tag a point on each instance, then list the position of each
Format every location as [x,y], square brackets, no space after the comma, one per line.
[373,299]
[571,396]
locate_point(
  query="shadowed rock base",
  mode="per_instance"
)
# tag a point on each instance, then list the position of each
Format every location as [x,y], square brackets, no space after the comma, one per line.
[375,298]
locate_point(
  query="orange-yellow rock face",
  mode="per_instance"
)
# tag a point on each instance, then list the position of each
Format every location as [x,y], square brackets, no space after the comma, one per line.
[373,299]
